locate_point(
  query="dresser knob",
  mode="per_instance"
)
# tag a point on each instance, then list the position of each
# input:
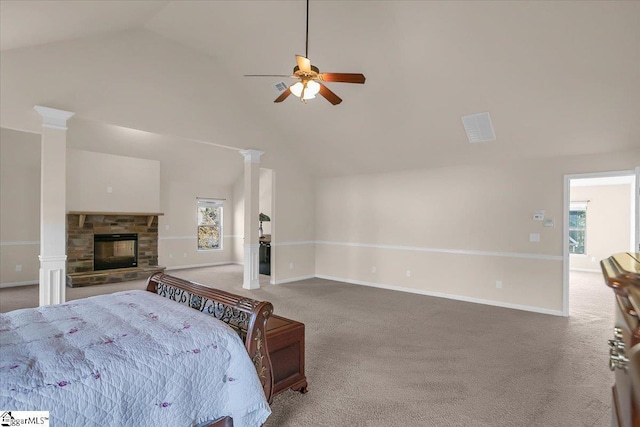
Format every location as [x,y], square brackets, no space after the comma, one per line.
[616,344]
[617,332]
[617,360]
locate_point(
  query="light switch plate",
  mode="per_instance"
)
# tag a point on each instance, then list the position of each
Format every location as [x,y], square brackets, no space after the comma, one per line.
[534,237]
[538,215]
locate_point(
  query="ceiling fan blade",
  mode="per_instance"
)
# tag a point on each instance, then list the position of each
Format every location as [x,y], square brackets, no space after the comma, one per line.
[303,64]
[329,95]
[269,75]
[342,77]
[283,95]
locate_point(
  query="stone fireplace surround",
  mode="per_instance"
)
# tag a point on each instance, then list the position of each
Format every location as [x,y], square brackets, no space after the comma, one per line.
[81,226]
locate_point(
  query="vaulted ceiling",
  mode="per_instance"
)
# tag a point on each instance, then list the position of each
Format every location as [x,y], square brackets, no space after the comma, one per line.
[558,78]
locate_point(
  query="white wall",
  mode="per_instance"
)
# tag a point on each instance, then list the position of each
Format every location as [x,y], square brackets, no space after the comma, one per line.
[457,230]
[98,182]
[20,207]
[608,228]
[187,170]
[238,220]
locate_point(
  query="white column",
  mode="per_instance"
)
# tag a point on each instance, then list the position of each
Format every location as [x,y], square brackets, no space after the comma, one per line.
[251,215]
[53,212]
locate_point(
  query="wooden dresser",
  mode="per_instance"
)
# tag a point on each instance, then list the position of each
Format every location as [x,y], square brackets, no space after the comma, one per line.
[622,274]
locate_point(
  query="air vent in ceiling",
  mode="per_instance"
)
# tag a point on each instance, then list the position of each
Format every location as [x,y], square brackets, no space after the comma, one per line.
[280,86]
[479,127]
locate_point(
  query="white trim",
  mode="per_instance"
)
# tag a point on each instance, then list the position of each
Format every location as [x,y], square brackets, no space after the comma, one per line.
[447,251]
[20,243]
[586,270]
[251,275]
[447,296]
[184,267]
[54,258]
[15,284]
[634,216]
[252,156]
[308,242]
[566,203]
[572,255]
[293,279]
[53,118]
[606,180]
[578,206]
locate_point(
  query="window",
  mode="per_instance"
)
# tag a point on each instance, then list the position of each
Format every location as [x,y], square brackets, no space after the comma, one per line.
[577,228]
[209,224]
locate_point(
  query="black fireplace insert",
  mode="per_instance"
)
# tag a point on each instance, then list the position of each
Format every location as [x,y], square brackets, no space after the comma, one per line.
[115,251]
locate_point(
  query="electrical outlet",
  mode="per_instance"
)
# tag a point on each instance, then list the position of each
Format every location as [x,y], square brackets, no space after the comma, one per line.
[166,227]
[184,255]
[374,269]
[170,256]
[18,267]
[290,266]
[109,189]
[408,273]
[498,284]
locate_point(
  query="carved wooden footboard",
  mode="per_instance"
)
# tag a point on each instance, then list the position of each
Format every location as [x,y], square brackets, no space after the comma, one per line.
[247,316]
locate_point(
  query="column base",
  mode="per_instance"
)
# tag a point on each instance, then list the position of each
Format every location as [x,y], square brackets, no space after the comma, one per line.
[251,266]
[52,279]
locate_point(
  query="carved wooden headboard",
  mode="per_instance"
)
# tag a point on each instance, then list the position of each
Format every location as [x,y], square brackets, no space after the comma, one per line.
[247,316]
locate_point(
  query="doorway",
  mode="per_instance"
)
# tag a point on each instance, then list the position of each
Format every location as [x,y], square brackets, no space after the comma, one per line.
[600,219]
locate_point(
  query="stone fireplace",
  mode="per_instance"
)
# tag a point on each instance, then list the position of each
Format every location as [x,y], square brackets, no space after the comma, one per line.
[107,247]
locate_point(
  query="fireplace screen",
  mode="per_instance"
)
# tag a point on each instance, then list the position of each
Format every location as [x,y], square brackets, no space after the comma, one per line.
[115,251]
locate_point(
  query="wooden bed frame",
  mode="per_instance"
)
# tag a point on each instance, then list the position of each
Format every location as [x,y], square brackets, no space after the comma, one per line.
[247,316]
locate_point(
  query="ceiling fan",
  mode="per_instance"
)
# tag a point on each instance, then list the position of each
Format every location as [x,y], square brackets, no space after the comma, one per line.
[310,78]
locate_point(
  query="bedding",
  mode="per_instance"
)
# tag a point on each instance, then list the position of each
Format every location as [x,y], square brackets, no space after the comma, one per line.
[128,358]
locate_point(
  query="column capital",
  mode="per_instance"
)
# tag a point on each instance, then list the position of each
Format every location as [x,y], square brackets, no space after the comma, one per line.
[252,156]
[53,118]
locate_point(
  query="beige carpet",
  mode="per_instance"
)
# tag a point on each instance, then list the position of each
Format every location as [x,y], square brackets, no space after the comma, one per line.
[385,358]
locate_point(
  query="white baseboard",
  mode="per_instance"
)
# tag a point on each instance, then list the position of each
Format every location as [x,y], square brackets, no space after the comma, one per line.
[586,270]
[293,279]
[448,296]
[14,284]
[184,267]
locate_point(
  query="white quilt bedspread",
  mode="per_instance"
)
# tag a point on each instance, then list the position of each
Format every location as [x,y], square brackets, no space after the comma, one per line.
[130,358]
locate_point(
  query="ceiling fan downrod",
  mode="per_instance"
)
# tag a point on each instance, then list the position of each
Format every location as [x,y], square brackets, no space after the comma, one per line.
[306,47]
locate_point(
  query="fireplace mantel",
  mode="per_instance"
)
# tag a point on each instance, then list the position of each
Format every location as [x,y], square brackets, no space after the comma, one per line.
[83,215]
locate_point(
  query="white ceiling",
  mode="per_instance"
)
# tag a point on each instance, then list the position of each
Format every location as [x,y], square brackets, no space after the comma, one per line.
[558,78]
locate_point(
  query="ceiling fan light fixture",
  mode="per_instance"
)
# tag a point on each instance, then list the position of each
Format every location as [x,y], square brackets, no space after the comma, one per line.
[309,93]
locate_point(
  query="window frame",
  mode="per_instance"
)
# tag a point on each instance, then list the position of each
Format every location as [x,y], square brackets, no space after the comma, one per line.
[204,202]
[573,207]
